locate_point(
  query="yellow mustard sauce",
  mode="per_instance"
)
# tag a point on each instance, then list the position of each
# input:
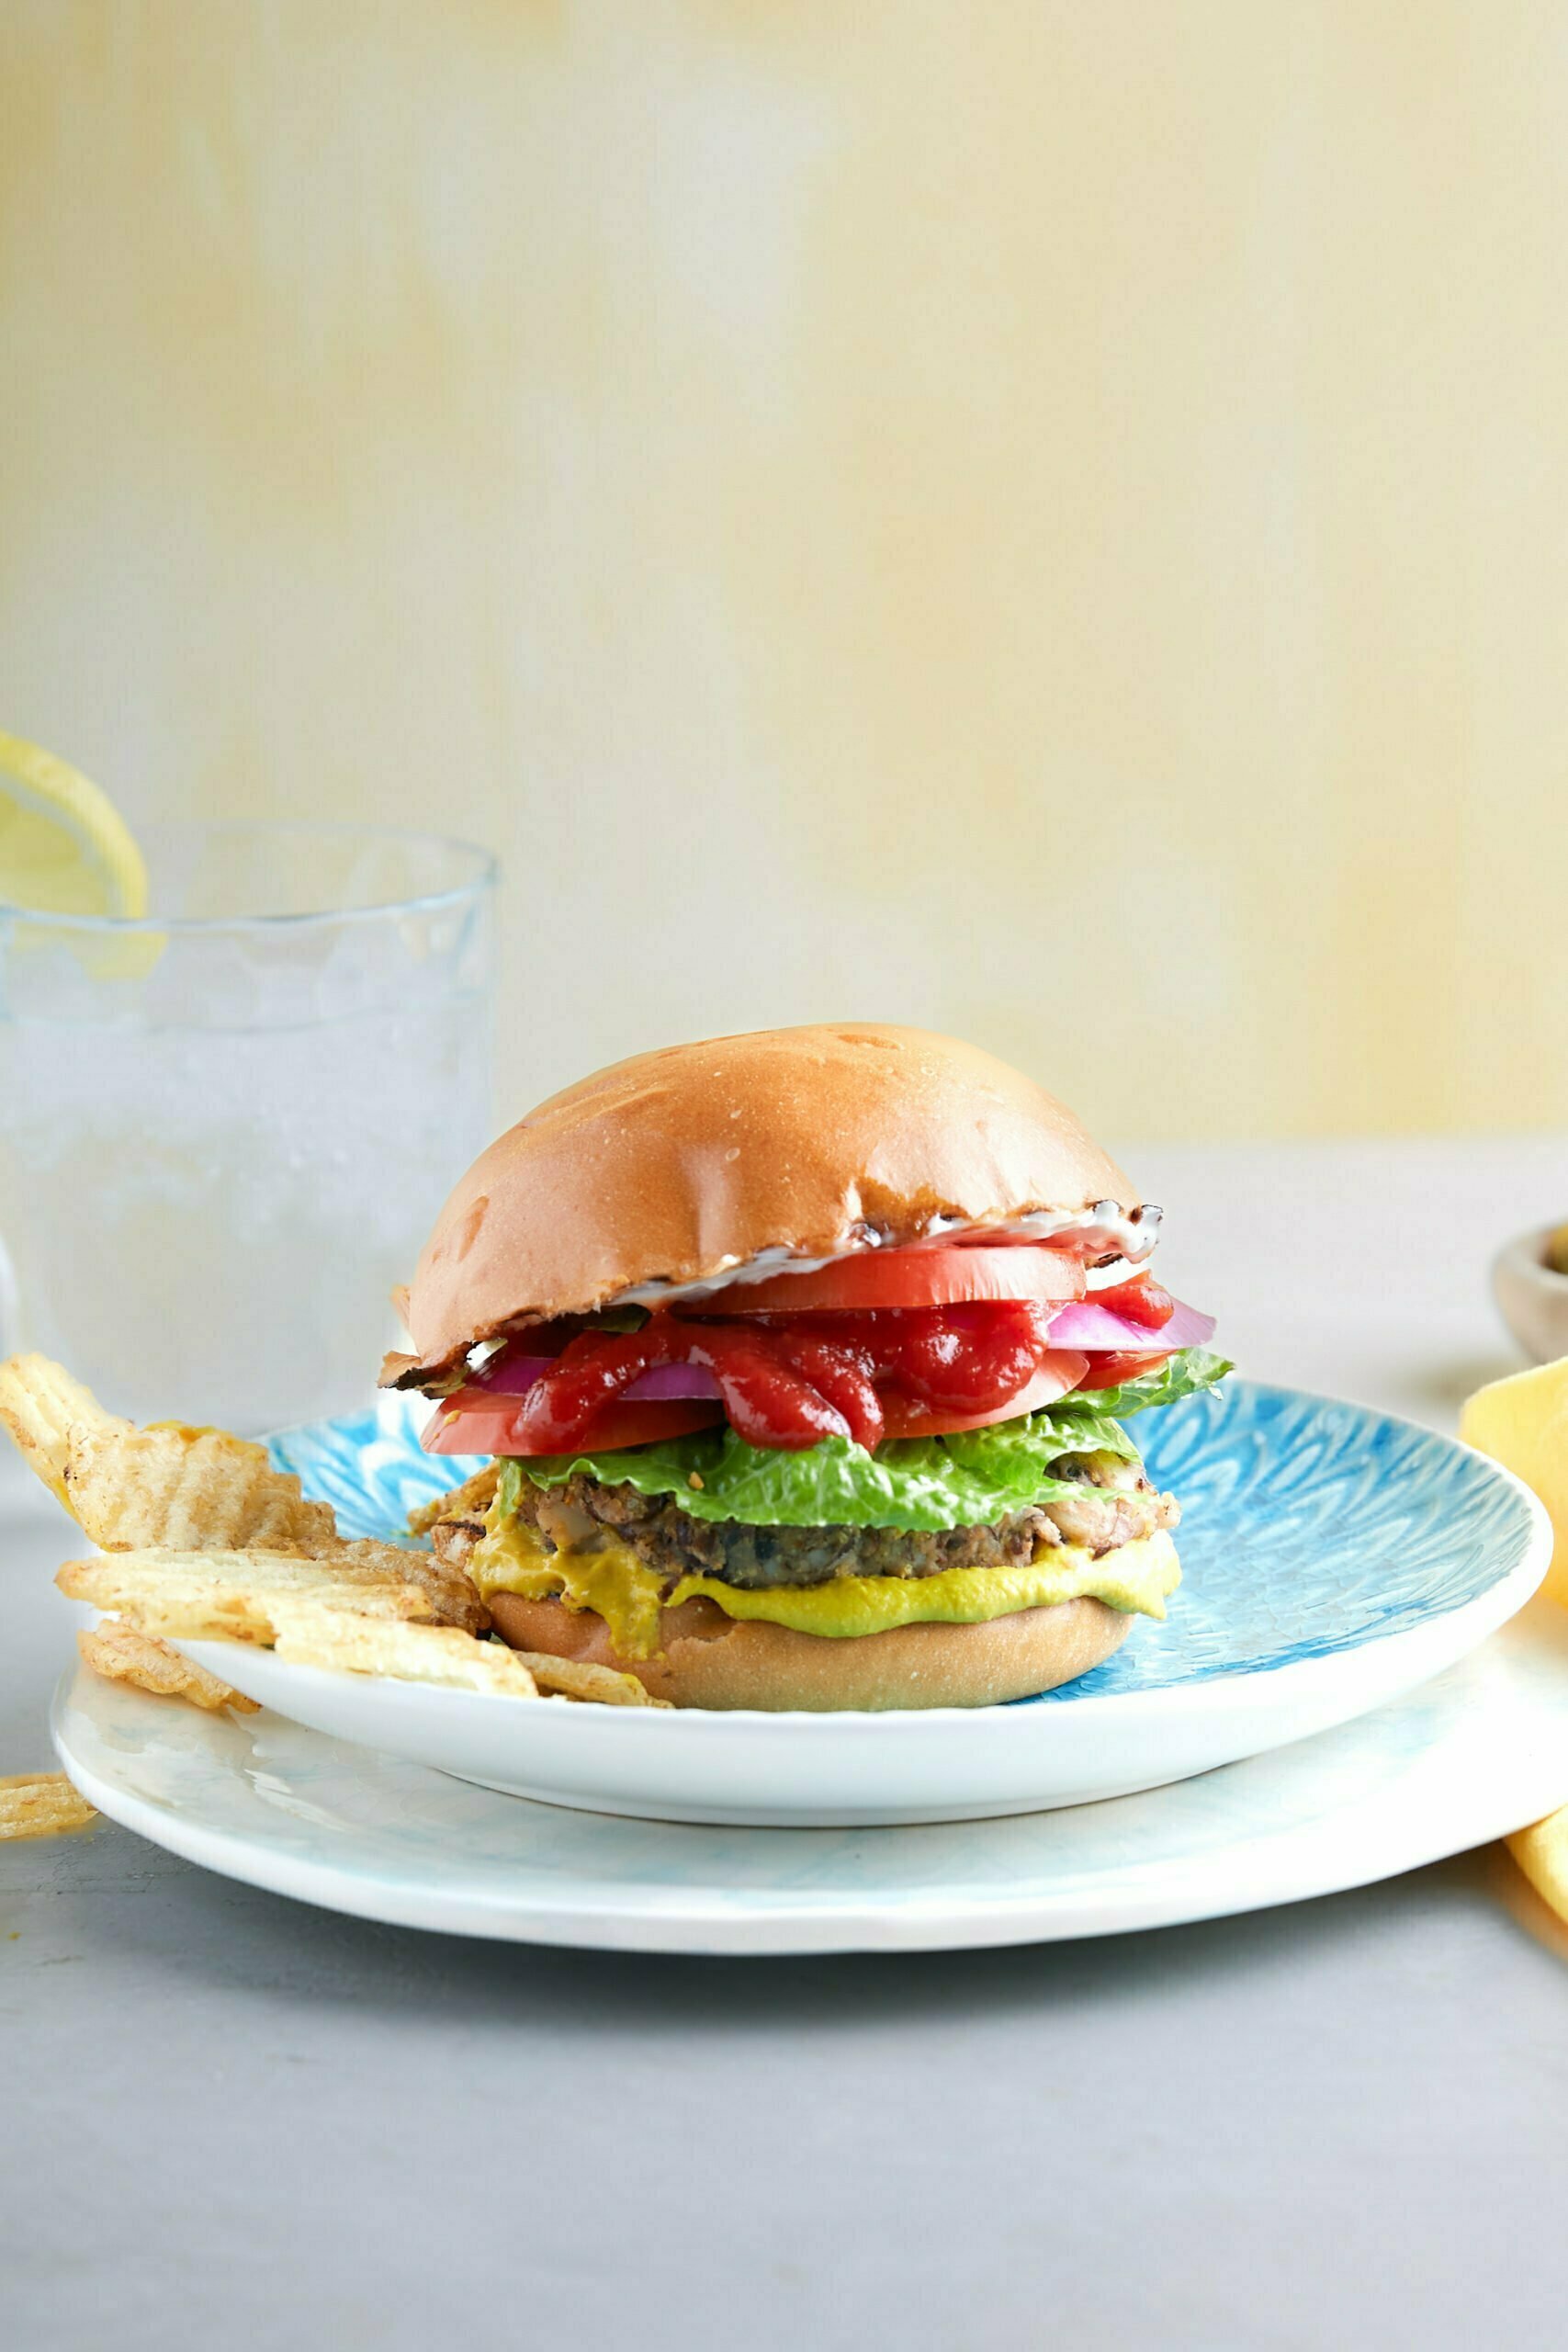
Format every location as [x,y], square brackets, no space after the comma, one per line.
[630,1597]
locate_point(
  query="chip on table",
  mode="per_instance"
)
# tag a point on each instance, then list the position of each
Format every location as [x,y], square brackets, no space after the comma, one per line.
[42,1804]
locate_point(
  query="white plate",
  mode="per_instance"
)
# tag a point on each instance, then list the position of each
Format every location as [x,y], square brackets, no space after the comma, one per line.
[1334,1557]
[1465,1758]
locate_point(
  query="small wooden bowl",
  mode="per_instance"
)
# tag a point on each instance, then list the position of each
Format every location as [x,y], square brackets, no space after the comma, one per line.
[1531,1299]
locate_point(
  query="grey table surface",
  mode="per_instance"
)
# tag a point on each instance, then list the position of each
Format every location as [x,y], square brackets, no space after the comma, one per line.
[226,2117]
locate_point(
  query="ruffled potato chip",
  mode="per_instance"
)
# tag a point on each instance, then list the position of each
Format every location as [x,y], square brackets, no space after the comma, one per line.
[130,1489]
[231,1596]
[470,1500]
[314,1634]
[42,1804]
[175,1491]
[575,1678]
[124,1654]
[203,1540]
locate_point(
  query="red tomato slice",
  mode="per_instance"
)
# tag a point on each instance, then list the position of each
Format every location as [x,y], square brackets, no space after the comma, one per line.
[1060,1371]
[910,1278]
[1108,1369]
[474,1421]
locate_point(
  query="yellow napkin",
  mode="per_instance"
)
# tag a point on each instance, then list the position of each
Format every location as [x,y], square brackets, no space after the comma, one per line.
[1522,1422]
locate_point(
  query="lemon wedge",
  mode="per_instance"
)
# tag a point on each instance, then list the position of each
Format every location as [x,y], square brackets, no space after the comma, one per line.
[1522,1422]
[64,848]
[1542,1854]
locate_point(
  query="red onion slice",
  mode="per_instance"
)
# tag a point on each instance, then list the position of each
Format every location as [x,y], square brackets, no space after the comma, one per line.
[672,1380]
[513,1376]
[1084,1324]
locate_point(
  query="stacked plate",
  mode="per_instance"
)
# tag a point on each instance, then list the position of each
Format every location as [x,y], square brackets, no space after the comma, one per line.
[1300,1720]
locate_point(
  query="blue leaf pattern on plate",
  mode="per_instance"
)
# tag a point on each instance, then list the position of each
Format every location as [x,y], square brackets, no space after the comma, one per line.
[1309,1526]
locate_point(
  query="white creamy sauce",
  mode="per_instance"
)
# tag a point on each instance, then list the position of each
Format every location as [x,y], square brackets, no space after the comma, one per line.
[1130,1234]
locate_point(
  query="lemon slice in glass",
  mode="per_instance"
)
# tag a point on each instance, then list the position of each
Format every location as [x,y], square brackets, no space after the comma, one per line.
[64,848]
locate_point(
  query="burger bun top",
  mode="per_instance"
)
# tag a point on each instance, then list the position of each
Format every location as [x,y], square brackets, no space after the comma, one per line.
[676,1166]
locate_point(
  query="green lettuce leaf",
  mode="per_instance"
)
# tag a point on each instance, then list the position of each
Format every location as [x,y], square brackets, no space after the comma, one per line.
[914,1483]
[1182,1375]
[923,1484]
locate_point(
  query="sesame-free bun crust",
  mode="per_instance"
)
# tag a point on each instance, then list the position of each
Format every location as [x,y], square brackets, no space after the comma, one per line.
[711,1660]
[677,1165]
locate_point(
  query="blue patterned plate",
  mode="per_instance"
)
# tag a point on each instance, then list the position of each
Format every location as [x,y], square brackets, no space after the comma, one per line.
[1333,1558]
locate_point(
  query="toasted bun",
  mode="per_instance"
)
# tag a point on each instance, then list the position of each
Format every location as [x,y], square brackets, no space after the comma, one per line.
[676,1165]
[710,1660]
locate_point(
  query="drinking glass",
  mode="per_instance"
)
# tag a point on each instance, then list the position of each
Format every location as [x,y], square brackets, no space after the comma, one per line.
[225,1130]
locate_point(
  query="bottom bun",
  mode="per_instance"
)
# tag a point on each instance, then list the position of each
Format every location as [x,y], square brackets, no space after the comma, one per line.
[712,1660]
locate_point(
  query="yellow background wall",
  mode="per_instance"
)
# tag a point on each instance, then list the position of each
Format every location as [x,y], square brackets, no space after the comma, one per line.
[1042,519]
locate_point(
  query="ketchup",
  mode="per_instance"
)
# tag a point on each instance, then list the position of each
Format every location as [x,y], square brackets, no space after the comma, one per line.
[1138,1301]
[794,1380]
